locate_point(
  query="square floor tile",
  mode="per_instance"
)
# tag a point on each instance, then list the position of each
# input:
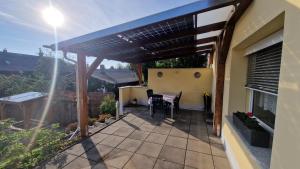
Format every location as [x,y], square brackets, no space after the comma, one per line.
[80,148]
[198,135]
[97,138]
[109,130]
[172,154]
[199,146]
[80,163]
[162,130]
[112,140]
[218,150]
[130,144]
[137,122]
[139,135]
[102,165]
[188,167]
[184,126]
[150,149]
[161,164]
[156,138]
[97,153]
[147,127]
[176,142]
[221,163]
[117,158]
[123,131]
[215,139]
[59,161]
[121,124]
[199,160]
[178,133]
[139,161]
[198,127]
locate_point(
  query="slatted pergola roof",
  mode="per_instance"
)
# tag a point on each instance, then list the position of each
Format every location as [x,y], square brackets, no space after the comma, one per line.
[170,34]
[194,29]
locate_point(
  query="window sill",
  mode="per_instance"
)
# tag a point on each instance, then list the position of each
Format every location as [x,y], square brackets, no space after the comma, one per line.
[260,156]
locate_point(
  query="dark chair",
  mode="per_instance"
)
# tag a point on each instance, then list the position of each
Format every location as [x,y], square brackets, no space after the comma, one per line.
[157,102]
[149,93]
[176,102]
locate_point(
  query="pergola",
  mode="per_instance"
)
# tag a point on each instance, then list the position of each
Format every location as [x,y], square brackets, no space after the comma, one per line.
[196,29]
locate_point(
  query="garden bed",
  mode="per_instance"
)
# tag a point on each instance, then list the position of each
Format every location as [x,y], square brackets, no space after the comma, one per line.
[27,148]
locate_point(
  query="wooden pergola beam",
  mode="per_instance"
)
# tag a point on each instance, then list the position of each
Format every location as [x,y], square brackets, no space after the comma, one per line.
[94,66]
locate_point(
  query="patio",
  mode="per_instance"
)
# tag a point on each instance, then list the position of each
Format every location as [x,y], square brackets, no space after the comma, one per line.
[140,141]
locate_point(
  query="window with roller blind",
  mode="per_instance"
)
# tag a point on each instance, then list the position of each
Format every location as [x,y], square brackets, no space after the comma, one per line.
[262,80]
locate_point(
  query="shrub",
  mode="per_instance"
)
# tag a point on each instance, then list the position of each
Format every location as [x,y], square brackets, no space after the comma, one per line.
[17,150]
[108,105]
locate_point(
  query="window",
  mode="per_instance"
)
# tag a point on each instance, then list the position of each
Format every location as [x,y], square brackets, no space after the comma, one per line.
[262,80]
[264,107]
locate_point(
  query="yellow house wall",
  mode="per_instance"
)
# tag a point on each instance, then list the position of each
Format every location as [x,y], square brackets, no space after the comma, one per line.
[176,80]
[128,93]
[261,19]
[139,93]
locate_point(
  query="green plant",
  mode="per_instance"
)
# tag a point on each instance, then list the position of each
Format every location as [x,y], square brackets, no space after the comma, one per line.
[27,148]
[108,105]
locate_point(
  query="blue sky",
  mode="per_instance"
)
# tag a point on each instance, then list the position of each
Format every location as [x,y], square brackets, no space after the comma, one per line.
[23,29]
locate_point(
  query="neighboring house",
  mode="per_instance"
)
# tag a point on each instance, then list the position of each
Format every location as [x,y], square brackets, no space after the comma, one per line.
[117,77]
[15,63]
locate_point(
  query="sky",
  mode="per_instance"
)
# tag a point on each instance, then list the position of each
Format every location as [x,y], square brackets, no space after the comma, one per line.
[23,30]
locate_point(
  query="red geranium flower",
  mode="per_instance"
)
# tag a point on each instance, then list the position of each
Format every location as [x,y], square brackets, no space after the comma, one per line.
[250,114]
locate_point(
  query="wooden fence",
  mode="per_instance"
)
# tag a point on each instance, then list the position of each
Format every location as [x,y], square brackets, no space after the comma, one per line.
[64,107]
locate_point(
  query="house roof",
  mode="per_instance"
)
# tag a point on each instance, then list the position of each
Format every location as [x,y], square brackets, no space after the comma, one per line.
[115,76]
[180,32]
[15,62]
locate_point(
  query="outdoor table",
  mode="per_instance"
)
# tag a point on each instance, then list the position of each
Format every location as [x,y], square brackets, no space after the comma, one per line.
[168,97]
[26,103]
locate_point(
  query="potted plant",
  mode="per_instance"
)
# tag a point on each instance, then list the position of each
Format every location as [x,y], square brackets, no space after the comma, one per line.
[251,130]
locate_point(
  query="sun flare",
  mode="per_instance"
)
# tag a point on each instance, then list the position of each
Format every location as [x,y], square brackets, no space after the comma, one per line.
[53,17]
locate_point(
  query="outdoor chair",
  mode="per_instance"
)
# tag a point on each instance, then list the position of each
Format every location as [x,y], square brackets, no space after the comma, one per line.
[157,102]
[176,102]
[149,93]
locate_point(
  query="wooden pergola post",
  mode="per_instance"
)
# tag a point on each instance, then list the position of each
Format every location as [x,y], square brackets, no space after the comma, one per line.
[140,73]
[223,46]
[81,92]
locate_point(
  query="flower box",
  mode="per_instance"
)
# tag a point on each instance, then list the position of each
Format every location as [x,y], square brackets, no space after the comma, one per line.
[251,130]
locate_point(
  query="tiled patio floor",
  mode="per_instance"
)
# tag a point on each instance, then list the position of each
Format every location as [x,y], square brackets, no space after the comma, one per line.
[139,141]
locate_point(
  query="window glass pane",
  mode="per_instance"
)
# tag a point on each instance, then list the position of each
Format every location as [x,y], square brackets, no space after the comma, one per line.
[264,107]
